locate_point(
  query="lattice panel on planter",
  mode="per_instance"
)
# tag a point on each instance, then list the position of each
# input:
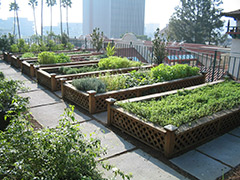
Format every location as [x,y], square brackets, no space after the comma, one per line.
[44,80]
[77,98]
[26,69]
[229,122]
[139,130]
[194,136]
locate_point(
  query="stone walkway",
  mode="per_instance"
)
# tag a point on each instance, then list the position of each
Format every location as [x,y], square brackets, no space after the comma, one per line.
[205,162]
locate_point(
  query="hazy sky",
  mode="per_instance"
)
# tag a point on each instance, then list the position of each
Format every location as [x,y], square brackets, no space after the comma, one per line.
[157,11]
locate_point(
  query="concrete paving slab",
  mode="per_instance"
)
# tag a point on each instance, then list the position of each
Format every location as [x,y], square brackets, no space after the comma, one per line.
[236,132]
[200,165]
[49,115]
[43,97]
[17,76]
[58,94]
[225,148]
[4,65]
[9,71]
[102,116]
[114,143]
[143,166]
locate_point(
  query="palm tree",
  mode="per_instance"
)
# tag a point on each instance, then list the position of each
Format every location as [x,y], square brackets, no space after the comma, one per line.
[51,3]
[14,7]
[33,4]
[41,19]
[66,4]
[60,5]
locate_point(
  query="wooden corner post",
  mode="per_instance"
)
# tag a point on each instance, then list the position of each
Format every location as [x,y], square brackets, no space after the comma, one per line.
[169,140]
[92,101]
[31,70]
[62,80]
[53,82]
[110,102]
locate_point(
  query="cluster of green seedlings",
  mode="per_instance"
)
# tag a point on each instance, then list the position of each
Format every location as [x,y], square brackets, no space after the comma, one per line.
[135,78]
[187,105]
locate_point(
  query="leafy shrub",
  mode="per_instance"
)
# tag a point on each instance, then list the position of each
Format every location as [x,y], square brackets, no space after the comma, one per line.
[114,62]
[87,84]
[69,46]
[62,58]
[28,55]
[14,48]
[34,48]
[46,58]
[11,104]
[165,73]
[51,153]
[187,106]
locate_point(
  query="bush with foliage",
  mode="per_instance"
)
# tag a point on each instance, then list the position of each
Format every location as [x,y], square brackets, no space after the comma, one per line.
[28,55]
[114,62]
[87,84]
[11,104]
[51,58]
[46,58]
[188,105]
[51,153]
[62,58]
[97,39]
[6,42]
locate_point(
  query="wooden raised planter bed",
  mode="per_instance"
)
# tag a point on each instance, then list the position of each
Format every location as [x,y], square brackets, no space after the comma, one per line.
[170,140]
[49,78]
[30,69]
[93,102]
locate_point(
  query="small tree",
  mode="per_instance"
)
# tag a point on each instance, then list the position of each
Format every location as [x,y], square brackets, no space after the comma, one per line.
[159,47]
[97,39]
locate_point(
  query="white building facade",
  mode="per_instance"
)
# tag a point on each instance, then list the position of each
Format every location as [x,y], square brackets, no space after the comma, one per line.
[114,17]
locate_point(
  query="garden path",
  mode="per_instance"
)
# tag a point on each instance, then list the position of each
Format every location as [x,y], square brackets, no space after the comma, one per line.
[205,162]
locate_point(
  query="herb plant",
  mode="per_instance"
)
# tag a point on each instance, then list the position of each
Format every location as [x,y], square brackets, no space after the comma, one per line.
[87,84]
[187,106]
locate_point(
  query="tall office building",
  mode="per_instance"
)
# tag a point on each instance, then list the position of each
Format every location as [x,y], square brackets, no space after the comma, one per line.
[114,17]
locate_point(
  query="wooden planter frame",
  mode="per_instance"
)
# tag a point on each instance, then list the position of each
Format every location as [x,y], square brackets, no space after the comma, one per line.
[53,81]
[170,140]
[93,102]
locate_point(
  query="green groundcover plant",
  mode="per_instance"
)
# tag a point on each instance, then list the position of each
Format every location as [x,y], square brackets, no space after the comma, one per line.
[28,55]
[142,77]
[51,153]
[112,62]
[188,105]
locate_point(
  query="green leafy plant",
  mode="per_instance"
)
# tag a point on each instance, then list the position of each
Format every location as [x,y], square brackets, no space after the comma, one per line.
[46,58]
[113,82]
[11,104]
[14,48]
[187,106]
[62,58]
[87,84]
[114,62]
[1,75]
[28,55]
[69,70]
[51,153]
[110,50]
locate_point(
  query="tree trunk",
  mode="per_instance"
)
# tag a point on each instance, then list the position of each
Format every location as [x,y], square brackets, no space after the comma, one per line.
[41,19]
[14,23]
[61,17]
[35,22]
[51,19]
[19,33]
[67,20]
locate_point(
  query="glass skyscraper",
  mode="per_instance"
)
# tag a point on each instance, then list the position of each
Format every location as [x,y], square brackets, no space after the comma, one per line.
[114,17]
